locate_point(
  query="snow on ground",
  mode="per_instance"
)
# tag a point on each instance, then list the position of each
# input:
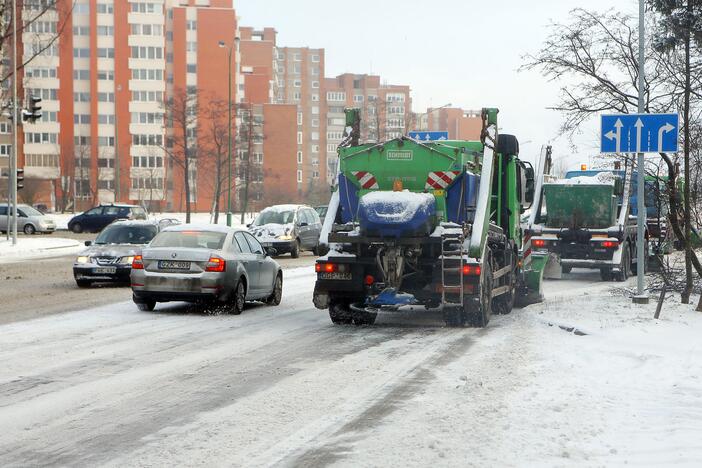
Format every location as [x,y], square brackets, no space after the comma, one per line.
[62,219]
[530,393]
[282,386]
[34,247]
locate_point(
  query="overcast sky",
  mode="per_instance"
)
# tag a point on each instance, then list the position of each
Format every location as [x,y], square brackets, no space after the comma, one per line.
[464,52]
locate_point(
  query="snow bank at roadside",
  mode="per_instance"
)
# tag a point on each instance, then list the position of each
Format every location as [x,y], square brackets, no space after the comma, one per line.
[28,248]
[530,393]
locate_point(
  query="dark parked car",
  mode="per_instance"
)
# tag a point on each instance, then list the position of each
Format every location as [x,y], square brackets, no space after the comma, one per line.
[205,264]
[110,257]
[95,219]
[288,228]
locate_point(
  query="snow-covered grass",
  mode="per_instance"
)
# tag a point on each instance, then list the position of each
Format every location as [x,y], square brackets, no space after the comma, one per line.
[29,248]
[196,218]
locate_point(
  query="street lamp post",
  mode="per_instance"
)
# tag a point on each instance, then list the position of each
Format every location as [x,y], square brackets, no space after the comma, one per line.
[229,128]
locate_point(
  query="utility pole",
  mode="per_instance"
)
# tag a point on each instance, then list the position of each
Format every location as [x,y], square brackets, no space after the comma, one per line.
[15,126]
[640,297]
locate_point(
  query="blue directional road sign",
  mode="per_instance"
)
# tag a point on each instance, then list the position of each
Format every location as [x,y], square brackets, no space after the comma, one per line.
[639,133]
[428,136]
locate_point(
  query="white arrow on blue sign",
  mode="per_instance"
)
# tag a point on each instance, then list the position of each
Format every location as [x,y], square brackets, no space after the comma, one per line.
[428,136]
[639,133]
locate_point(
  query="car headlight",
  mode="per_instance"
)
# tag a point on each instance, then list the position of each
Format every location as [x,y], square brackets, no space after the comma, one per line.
[83,260]
[285,237]
[126,260]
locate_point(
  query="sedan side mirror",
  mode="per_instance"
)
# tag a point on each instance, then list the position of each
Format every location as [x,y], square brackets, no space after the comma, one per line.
[271,252]
[249,225]
[88,243]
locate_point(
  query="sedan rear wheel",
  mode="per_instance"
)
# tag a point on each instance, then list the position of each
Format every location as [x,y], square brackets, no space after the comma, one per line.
[29,229]
[277,294]
[239,299]
[77,228]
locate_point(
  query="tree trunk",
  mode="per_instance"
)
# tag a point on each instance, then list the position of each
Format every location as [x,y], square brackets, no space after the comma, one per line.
[186,180]
[688,218]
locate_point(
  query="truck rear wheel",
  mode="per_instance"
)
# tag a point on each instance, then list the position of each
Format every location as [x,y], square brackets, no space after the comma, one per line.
[624,267]
[480,312]
[340,313]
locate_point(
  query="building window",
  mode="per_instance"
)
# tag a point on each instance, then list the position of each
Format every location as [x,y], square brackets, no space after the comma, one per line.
[191,25]
[81,52]
[315,136]
[315,98]
[297,57]
[5,151]
[106,97]
[145,7]
[358,98]
[106,119]
[192,68]
[336,96]
[315,58]
[315,123]
[83,119]
[299,138]
[107,75]
[5,128]
[299,176]
[106,141]
[296,96]
[80,30]
[299,118]
[297,83]
[106,52]
[315,84]
[299,157]
[105,8]
[106,30]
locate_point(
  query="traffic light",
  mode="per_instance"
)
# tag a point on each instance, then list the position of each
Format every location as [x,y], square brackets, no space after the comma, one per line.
[33,111]
[20,179]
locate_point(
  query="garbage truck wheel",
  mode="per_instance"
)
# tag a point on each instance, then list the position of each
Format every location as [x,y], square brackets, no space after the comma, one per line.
[455,316]
[339,313]
[623,273]
[481,311]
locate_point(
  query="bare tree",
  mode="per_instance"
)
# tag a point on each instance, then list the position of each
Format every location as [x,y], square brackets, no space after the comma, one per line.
[214,153]
[594,59]
[181,117]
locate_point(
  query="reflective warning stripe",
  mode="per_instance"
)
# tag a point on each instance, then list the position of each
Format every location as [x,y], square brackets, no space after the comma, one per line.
[366,179]
[526,250]
[439,180]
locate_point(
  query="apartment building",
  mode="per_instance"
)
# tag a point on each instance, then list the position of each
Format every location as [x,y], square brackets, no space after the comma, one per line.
[459,123]
[385,111]
[300,81]
[106,83]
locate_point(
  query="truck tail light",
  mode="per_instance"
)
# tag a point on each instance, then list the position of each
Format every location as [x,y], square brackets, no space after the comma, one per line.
[538,243]
[369,280]
[330,268]
[471,270]
[610,244]
[216,264]
[137,263]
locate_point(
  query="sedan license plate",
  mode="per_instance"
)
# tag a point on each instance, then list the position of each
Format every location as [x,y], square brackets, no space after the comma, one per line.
[335,276]
[173,265]
[105,271]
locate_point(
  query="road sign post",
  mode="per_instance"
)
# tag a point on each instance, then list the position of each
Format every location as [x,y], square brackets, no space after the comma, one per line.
[640,134]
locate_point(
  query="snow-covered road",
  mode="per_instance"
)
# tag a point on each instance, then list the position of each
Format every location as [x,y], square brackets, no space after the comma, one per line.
[283,386]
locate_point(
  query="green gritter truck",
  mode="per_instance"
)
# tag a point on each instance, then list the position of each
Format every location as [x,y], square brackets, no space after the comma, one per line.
[428,226]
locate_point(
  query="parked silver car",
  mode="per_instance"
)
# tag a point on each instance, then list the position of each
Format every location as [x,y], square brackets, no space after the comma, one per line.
[205,264]
[29,220]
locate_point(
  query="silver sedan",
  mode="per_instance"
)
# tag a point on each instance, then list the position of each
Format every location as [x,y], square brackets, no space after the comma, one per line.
[205,264]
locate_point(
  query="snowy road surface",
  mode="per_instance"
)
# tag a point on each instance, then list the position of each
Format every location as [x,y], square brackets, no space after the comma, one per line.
[283,386]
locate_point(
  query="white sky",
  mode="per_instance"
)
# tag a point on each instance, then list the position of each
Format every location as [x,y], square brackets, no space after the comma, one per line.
[464,52]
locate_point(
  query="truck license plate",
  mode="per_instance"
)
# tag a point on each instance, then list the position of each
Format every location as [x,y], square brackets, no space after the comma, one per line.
[173,265]
[335,276]
[105,271]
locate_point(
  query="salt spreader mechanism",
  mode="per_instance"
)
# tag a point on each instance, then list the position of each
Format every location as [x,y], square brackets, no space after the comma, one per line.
[428,226]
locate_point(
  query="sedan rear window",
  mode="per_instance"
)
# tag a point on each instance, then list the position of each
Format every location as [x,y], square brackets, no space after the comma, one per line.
[190,239]
[126,235]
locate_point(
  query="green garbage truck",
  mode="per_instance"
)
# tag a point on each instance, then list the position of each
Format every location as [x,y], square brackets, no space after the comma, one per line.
[588,220]
[427,226]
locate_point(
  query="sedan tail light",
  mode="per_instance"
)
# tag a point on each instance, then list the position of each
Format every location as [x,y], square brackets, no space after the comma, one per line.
[216,264]
[137,263]
[610,244]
